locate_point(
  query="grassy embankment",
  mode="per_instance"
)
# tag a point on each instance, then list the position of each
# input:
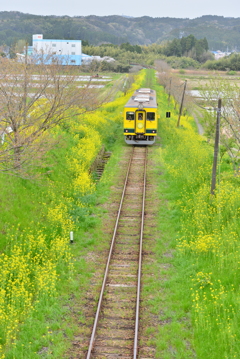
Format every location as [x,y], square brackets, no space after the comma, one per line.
[204,235]
[202,282]
[37,263]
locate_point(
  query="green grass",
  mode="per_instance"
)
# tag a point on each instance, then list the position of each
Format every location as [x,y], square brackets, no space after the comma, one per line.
[62,322]
[205,238]
[50,327]
[186,266]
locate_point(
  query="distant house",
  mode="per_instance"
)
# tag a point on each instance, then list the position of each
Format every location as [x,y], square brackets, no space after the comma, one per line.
[219,54]
[67,52]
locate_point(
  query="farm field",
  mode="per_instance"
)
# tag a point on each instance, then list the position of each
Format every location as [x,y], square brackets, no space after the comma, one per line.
[199,79]
[190,290]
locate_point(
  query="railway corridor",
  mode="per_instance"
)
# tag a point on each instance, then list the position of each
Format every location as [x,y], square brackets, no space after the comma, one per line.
[117,326]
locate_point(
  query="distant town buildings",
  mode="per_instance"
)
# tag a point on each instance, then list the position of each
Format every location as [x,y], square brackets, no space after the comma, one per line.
[66,52]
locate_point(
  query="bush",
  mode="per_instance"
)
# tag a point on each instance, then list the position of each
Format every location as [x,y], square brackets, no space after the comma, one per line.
[230,63]
[182,62]
[232,73]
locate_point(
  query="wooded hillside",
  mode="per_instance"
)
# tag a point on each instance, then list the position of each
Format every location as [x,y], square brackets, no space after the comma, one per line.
[222,33]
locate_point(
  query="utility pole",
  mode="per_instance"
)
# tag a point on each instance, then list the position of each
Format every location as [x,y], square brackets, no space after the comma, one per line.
[216,147]
[169,93]
[181,107]
[25,83]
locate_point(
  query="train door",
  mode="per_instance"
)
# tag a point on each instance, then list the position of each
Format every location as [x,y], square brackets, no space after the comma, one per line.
[140,123]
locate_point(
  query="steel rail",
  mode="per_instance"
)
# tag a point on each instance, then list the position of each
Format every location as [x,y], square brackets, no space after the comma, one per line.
[135,348]
[108,262]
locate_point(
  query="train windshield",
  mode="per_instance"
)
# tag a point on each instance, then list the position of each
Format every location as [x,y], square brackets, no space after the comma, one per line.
[130,116]
[150,116]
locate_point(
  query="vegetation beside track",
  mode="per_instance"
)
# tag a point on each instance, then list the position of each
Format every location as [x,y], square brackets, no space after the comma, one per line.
[192,291]
[206,251]
[36,218]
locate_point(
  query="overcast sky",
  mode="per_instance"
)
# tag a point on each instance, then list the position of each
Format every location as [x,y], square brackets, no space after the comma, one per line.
[155,8]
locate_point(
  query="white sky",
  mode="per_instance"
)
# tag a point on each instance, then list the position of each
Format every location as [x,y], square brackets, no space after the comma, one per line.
[137,8]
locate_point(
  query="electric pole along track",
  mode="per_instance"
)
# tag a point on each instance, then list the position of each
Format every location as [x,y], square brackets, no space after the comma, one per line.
[115,329]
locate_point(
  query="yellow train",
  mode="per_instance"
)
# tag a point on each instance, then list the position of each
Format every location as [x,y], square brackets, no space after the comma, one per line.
[140,118]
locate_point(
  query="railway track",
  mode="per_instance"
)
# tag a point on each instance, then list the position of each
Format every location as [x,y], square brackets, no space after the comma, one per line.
[115,329]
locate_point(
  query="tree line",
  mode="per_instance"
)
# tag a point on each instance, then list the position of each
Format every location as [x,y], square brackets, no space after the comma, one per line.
[187,52]
[184,52]
[189,47]
[179,53]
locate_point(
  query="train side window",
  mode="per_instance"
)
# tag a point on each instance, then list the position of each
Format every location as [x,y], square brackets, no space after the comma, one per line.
[150,116]
[130,116]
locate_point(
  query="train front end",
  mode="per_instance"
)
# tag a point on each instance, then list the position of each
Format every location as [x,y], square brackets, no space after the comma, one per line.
[140,118]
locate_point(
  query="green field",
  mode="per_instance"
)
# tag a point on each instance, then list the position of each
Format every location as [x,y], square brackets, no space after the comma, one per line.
[199,79]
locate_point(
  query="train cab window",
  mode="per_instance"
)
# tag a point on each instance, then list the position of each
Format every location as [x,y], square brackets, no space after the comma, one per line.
[130,116]
[150,116]
[140,117]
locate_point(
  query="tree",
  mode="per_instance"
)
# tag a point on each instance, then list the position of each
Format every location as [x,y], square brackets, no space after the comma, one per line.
[19,46]
[132,48]
[204,43]
[190,43]
[33,100]
[173,48]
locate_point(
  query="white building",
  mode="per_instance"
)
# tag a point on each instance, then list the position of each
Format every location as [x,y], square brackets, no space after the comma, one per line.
[219,54]
[69,52]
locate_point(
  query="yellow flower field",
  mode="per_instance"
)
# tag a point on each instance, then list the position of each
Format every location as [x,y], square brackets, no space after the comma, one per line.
[33,259]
